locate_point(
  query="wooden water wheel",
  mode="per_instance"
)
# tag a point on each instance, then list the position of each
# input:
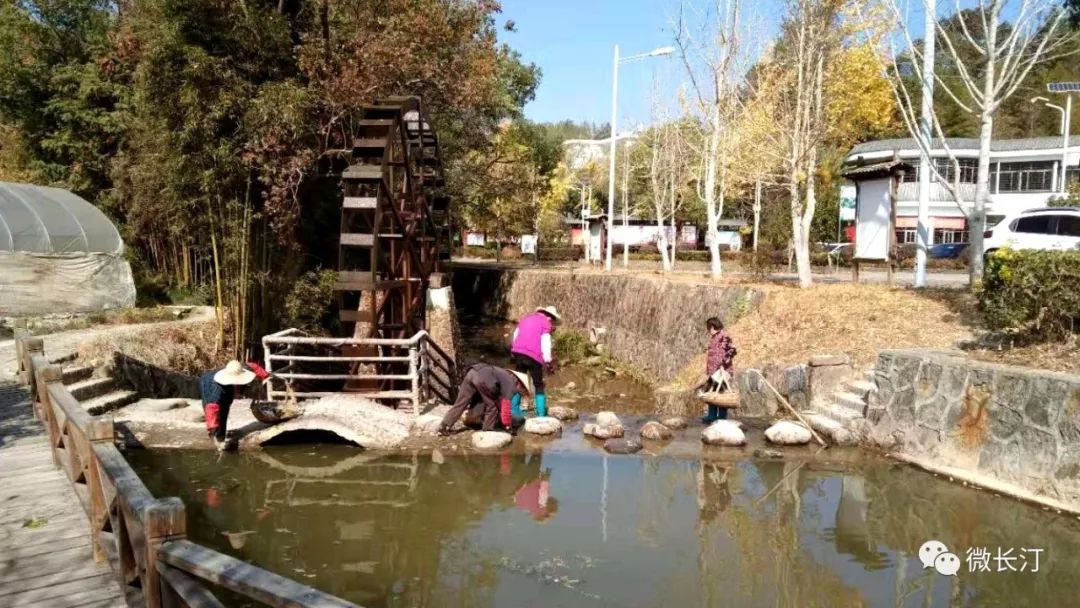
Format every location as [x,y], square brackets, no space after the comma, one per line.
[394,222]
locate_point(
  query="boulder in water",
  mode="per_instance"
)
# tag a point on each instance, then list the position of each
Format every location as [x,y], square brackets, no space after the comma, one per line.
[622,446]
[675,423]
[543,425]
[491,440]
[723,432]
[562,412]
[608,419]
[602,432]
[786,432]
[656,431]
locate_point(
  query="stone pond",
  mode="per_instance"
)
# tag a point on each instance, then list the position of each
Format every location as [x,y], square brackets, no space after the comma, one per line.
[558,522]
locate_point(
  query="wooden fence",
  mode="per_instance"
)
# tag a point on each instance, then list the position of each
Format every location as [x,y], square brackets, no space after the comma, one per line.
[411,369]
[142,537]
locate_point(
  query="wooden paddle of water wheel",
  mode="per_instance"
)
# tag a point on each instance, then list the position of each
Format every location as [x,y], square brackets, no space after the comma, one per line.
[394,231]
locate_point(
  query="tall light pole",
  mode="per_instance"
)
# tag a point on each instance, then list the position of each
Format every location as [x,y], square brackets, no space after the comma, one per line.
[664,50]
[922,233]
[1064,133]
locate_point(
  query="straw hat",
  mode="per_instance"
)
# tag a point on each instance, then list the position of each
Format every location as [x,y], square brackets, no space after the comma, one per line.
[551,312]
[234,373]
[524,379]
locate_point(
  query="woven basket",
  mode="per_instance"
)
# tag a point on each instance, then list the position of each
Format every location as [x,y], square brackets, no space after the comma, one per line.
[272,412]
[727,399]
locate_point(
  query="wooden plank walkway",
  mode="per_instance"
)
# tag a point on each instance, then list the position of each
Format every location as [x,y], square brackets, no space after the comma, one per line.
[45,555]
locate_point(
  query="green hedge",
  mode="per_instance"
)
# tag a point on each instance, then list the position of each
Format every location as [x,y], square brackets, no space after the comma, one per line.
[1037,292]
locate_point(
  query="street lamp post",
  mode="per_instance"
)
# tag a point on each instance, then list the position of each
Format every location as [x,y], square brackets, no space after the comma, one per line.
[1065,113]
[664,50]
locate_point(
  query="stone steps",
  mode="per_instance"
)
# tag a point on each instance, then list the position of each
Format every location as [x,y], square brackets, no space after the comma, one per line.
[75,373]
[862,388]
[63,358]
[851,401]
[85,390]
[110,401]
[841,414]
[830,429]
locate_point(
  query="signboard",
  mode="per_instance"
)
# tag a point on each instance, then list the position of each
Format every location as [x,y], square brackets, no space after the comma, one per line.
[528,244]
[874,221]
[847,203]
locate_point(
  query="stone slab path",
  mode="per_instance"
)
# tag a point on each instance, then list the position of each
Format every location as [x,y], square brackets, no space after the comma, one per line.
[45,555]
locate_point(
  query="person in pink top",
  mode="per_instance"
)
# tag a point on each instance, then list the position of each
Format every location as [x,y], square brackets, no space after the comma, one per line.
[535,498]
[531,352]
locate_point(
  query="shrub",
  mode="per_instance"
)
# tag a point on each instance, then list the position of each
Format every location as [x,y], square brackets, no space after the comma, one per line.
[570,253]
[571,346]
[484,253]
[1034,292]
[308,302]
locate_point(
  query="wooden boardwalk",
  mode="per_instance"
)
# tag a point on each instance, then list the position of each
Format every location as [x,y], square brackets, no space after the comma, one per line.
[46,559]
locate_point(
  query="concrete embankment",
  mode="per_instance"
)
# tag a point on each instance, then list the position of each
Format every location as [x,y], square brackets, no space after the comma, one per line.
[655,325]
[1010,429]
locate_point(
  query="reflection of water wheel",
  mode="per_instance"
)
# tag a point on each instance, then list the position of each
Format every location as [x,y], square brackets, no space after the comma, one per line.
[394,222]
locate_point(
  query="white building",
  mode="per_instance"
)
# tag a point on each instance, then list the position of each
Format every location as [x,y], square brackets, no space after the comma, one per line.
[1024,174]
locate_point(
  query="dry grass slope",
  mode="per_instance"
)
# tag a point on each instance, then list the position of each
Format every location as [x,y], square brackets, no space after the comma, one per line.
[793,324]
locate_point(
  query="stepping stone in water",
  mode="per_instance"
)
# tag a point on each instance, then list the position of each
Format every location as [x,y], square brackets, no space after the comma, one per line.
[545,425]
[602,432]
[608,419]
[622,446]
[675,423]
[786,432]
[723,432]
[491,440]
[656,431]
[561,412]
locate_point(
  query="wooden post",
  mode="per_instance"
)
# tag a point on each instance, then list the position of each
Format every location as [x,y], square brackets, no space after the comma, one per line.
[854,270]
[164,521]
[100,431]
[414,373]
[45,376]
[31,347]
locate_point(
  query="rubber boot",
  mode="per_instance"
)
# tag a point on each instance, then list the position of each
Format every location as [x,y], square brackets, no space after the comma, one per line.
[712,416]
[721,413]
[515,406]
[541,404]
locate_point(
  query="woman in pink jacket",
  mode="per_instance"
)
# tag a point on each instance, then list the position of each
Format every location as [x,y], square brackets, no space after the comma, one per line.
[531,352]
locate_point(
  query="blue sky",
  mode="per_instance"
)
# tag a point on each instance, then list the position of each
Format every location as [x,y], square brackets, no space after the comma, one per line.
[572,42]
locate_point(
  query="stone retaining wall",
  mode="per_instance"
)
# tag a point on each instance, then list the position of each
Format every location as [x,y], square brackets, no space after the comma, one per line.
[1012,425]
[653,324]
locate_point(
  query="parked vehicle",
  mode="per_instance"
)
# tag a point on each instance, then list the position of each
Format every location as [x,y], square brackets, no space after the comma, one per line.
[948,251]
[1050,228]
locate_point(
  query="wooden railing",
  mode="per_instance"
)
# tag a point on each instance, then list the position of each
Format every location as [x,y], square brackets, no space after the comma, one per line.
[412,369]
[143,538]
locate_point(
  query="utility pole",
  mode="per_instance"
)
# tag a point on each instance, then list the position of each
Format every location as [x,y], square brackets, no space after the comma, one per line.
[926,134]
[625,190]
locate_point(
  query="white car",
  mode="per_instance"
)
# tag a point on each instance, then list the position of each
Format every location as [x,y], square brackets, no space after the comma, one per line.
[1050,228]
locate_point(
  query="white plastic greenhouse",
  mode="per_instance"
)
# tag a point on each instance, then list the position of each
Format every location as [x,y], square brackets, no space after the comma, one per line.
[58,254]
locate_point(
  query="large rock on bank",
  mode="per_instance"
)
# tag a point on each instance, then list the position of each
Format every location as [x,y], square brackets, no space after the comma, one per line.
[723,432]
[656,431]
[786,432]
[543,425]
[491,440]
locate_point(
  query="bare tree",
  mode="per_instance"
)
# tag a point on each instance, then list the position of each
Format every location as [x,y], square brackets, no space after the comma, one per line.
[1007,52]
[667,172]
[716,63]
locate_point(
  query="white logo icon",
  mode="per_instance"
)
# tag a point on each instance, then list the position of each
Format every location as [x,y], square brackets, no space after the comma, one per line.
[930,550]
[947,564]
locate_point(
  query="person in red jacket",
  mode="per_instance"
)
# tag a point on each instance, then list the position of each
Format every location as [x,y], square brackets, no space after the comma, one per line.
[218,389]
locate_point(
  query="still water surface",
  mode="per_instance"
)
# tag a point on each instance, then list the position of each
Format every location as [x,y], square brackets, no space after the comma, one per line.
[469,530]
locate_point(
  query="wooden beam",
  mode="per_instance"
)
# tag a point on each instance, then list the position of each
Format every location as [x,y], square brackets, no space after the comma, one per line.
[360,202]
[252,581]
[355,239]
[184,587]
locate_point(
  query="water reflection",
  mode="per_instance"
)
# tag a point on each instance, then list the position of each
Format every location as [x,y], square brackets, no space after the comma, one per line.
[573,529]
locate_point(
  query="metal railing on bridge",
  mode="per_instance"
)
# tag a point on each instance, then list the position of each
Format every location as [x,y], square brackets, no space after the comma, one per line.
[413,370]
[142,537]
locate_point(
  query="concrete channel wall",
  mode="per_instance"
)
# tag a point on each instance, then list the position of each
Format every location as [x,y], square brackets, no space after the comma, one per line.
[1008,428]
[653,324]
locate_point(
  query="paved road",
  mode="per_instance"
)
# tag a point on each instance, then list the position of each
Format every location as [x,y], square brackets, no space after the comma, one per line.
[45,555]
